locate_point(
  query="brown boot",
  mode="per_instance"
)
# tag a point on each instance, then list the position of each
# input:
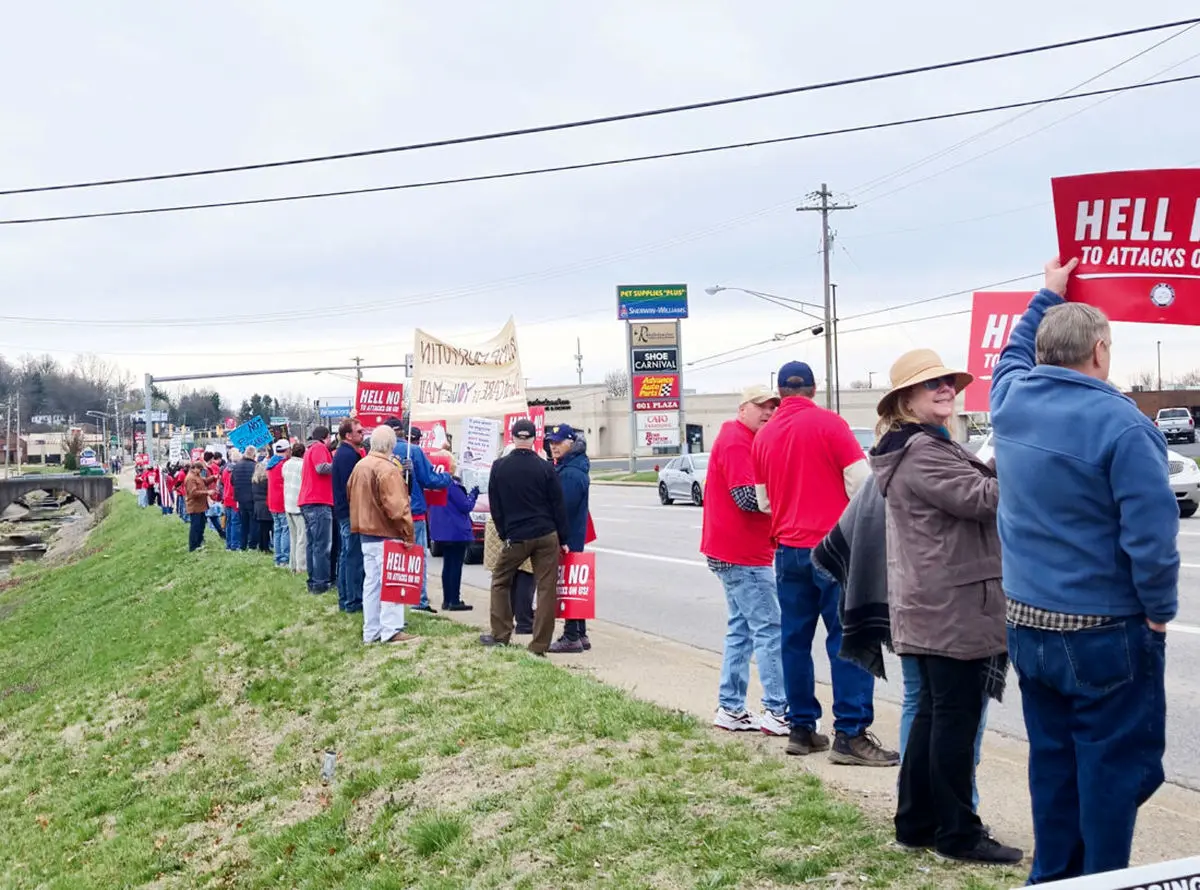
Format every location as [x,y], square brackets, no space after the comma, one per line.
[401,637]
[861,750]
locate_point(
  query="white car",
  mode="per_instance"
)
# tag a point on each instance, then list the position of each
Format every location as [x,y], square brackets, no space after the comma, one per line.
[1184,473]
[865,436]
[682,479]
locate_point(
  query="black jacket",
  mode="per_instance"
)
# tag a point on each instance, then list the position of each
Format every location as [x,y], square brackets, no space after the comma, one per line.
[526,498]
[241,476]
[261,511]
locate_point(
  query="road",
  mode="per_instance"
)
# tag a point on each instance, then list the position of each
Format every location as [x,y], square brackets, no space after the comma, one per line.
[652,578]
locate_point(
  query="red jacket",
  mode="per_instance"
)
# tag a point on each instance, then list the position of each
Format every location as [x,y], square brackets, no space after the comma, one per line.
[275,488]
[230,499]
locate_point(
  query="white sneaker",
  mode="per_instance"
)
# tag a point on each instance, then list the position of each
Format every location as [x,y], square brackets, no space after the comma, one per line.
[774,724]
[743,722]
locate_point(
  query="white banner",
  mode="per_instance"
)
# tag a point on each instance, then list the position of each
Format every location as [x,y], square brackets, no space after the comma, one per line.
[658,438]
[176,453]
[657,420]
[454,382]
[480,441]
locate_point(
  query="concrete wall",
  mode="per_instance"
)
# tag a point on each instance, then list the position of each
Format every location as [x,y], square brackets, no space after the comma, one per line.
[605,420]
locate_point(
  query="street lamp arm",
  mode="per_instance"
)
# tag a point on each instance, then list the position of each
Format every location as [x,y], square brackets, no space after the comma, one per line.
[785,302]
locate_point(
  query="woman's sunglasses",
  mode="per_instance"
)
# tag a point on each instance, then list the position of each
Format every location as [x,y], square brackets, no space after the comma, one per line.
[936,383]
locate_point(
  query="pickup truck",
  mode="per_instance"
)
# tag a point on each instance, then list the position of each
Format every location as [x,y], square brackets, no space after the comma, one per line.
[1177,424]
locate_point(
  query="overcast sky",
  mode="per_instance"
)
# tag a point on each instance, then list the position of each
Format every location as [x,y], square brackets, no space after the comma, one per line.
[98,91]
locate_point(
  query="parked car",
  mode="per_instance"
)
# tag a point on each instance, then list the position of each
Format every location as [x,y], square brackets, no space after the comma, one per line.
[1177,424]
[865,436]
[683,479]
[1183,472]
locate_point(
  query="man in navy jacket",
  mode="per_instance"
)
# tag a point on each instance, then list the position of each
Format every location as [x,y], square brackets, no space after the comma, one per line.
[569,449]
[1088,526]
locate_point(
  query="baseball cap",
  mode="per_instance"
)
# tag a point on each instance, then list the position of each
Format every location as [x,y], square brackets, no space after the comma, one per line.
[562,432]
[414,435]
[394,422]
[759,395]
[795,375]
[282,446]
[524,429]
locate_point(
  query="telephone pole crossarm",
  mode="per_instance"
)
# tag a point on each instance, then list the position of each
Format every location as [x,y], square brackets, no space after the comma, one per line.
[824,207]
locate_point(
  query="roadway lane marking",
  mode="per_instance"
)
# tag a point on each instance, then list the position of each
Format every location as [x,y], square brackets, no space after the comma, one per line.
[1183,628]
[654,557]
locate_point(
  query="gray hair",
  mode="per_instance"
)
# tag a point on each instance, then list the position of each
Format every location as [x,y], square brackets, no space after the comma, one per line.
[1068,334]
[251,453]
[383,440]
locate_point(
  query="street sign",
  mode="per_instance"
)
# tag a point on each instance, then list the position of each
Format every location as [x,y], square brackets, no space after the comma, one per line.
[409,362]
[637,302]
[113,441]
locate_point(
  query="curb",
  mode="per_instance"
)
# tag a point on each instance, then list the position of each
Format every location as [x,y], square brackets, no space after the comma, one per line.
[625,484]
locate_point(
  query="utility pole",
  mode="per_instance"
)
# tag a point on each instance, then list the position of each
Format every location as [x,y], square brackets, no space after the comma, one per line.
[579,361]
[7,437]
[357,367]
[1160,365]
[837,366]
[18,434]
[825,208]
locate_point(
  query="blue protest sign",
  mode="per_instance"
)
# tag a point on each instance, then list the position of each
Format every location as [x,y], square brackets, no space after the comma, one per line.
[253,432]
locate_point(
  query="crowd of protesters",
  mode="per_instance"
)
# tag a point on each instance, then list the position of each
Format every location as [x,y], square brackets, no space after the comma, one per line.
[1058,557]
[324,509]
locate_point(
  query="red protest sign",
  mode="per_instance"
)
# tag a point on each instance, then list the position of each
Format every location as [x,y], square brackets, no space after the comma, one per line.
[438,497]
[403,570]
[1137,237]
[433,433]
[376,402]
[141,459]
[537,414]
[577,586]
[993,317]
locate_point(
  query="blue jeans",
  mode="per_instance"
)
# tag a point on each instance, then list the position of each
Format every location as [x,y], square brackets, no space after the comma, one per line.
[908,712]
[233,529]
[752,627]
[421,529]
[1096,715]
[196,523]
[350,569]
[318,526]
[282,537]
[805,597]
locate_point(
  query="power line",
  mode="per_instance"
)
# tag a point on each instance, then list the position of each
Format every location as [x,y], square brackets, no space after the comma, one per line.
[873,184]
[612,162]
[957,293]
[615,118]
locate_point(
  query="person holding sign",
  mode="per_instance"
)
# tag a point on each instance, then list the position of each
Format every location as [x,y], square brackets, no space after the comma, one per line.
[1088,530]
[420,477]
[380,510]
[573,466]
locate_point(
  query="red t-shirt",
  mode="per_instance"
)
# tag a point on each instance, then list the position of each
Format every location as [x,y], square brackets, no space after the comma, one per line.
[730,533]
[314,487]
[801,455]
[275,488]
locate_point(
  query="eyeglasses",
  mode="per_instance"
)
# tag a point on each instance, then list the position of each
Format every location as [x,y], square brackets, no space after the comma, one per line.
[938,382]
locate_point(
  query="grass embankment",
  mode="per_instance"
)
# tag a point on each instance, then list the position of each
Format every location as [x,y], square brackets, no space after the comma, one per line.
[648,476]
[163,718]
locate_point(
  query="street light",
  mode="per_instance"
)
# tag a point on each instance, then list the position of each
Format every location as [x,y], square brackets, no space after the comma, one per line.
[103,430]
[785,302]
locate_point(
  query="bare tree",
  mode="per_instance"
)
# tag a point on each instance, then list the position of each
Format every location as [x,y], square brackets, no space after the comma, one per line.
[617,384]
[1191,378]
[860,384]
[1143,379]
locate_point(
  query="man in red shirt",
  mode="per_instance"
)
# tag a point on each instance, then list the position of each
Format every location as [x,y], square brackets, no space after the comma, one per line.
[807,466]
[316,506]
[737,541]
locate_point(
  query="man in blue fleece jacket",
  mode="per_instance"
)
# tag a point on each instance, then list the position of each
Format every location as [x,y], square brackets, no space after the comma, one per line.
[1088,526]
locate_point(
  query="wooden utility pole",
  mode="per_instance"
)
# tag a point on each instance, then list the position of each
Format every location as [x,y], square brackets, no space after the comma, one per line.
[825,208]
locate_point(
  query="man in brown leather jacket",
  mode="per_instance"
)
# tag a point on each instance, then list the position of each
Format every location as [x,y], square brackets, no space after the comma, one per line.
[380,510]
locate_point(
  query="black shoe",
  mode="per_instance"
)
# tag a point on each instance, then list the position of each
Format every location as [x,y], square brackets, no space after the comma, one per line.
[458,607]
[430,609]
[988,851]
[489,640]
[802,740]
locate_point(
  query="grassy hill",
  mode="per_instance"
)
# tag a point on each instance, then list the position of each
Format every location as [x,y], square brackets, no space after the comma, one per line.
[163,718]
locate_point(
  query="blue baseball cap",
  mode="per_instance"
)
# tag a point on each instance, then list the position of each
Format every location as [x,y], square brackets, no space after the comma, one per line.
[562,432]
[794,375]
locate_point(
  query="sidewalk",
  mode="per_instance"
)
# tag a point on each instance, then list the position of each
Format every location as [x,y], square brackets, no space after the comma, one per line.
[685,678]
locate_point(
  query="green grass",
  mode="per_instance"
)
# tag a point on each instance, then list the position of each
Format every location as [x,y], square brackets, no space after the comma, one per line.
[163,718]
[620,476]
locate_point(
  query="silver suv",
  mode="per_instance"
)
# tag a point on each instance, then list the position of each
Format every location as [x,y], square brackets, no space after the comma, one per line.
[1177,424]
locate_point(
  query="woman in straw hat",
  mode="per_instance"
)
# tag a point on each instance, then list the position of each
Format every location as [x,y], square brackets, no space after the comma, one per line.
[946,603]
